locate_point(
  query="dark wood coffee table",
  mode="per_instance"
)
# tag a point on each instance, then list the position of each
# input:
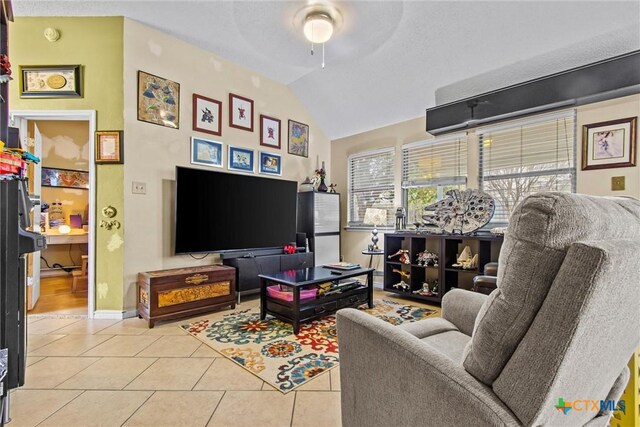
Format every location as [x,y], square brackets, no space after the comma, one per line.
[303,310]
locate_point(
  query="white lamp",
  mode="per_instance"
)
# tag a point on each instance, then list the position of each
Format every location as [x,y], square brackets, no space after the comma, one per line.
[64,229]
[375,217]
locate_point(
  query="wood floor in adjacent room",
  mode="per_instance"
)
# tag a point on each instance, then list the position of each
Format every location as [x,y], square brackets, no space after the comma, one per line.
[56,297]
[87,372]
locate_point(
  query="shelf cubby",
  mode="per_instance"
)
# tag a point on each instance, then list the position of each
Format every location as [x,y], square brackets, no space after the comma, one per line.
[447,247]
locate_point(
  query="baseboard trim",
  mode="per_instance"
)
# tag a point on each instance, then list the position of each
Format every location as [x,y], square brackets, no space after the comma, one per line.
[114,314]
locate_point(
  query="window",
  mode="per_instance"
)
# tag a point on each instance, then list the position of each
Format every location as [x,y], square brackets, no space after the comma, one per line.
[371,185]
[522,158]
[430,169]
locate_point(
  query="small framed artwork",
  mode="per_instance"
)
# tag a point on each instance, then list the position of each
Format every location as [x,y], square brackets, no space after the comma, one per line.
[240,112]
[66,178]
[207,115]
[270,164]
[269,131]
[59,81]
[240,159]
[298,139]
[609,144]
[109,147]
[158,100]
[206,153]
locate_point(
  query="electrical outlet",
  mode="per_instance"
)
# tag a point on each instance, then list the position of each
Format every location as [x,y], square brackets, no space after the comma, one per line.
[617,183]
[139,188]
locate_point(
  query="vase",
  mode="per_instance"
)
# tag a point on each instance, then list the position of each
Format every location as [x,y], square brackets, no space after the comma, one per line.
[322,187]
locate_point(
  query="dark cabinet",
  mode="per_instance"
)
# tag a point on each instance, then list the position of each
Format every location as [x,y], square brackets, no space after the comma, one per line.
[248,268]
[429,282]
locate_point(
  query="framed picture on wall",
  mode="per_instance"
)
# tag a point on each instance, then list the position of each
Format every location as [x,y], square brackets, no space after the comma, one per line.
[51,81]
[270,163]
[269,131]
[207,115]
[158,100]
[610,144]
[109,147]
[240,159]
[298,139]
[240,112]
[67,178]
[206,153]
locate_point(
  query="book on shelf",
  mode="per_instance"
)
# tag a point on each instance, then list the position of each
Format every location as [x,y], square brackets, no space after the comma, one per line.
[343,265]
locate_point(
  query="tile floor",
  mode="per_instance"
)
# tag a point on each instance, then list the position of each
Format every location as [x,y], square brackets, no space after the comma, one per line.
[85,372]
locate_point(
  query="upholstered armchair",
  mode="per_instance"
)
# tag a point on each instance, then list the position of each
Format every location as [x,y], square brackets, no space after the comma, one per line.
[560,327]
[486,282]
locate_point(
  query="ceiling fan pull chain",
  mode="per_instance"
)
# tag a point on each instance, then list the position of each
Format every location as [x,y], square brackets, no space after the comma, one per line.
[311,49]
[322,55]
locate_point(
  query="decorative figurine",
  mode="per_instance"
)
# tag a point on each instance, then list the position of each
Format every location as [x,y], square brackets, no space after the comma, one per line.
[404,256]
[306,185]
[466,260]
[404,274]
[428,290]
[461,212]
[427,259]
[332,188]
[402,285]
[401,219]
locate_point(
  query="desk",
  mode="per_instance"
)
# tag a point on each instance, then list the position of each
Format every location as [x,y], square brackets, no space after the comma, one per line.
[302,310]
[54,238]
[372,253]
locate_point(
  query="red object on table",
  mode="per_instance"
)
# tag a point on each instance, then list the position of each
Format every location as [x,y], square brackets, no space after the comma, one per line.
[289,249]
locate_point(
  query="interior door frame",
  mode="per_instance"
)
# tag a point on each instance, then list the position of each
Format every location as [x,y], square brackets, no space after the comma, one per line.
[78,115]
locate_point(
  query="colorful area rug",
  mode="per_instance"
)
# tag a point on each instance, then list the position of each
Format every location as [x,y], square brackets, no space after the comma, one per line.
[269,349]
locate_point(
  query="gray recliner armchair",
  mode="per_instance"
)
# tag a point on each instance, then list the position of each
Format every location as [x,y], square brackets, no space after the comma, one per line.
[560,327]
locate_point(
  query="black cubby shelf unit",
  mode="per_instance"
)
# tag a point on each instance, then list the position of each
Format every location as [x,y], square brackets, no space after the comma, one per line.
[447,247]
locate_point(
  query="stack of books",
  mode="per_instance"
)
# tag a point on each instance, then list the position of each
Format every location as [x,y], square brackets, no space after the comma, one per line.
[343,265]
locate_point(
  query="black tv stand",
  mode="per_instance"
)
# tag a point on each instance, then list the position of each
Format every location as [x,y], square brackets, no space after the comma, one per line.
[249,264]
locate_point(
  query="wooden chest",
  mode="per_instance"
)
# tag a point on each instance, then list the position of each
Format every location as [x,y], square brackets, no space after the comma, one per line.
[180,292]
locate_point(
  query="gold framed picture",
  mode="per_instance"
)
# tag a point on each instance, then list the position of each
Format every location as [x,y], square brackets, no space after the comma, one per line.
[51,81]
[109,147]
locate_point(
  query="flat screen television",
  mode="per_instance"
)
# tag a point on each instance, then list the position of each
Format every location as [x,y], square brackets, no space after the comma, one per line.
[218,211]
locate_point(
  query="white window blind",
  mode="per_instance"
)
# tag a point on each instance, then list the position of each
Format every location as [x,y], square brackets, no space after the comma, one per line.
[429,169]
[371,185]
[525,157]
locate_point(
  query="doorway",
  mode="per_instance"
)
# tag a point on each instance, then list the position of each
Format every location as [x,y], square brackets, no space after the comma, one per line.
[61,278]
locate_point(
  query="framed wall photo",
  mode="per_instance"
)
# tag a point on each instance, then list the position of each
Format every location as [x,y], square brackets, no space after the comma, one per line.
[298,139]
[51,81]
[270,163]
[206,153]
[66,178]
[269,131]
[240,112]
[610,144]
[109,147]
[207,115]
[240,159]
[158,100]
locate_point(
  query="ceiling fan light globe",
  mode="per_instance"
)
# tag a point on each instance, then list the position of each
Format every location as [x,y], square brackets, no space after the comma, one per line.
[318,28]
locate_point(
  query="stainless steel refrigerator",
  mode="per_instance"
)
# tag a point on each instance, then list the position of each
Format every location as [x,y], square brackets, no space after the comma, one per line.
[319,219]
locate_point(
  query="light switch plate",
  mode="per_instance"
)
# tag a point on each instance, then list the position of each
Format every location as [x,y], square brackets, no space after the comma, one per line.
[139,188]
[617,183]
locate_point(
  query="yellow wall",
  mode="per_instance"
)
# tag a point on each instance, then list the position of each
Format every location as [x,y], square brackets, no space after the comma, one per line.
[597,182]
[152,151]
[96,44]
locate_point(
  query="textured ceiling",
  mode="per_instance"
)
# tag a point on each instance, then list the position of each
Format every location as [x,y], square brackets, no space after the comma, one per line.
[388,58]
